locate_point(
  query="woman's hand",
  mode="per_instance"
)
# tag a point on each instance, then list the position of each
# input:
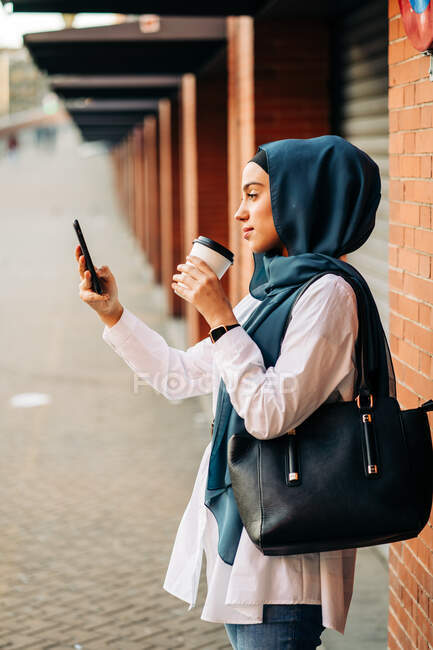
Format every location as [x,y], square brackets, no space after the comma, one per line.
[107,304]
[204,290]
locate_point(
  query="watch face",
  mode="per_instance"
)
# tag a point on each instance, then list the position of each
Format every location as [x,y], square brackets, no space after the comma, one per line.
[216,333]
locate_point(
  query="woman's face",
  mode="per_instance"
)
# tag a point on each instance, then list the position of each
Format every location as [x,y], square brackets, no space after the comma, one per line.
[255,211]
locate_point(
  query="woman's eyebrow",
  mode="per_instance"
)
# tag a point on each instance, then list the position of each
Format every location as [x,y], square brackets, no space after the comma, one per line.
[252,183]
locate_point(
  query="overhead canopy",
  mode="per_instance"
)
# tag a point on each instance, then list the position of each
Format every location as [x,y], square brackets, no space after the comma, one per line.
[110,136]
[182,45]
[161,7]
[193,7]
[123,70]
[129,63]
[126,87]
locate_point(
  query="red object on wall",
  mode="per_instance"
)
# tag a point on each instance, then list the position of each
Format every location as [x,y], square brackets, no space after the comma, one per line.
[418,22]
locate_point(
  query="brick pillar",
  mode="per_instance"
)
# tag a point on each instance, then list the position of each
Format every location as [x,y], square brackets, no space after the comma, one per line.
[151,228]
[145,232]
[124,178]
[138,182]
[179,308]
[189,186]
[169,200]
[241,140]
[410,622]
[128,180]
[154,250]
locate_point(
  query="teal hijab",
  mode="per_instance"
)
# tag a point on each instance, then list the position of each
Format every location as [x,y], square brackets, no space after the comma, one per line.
[324,196]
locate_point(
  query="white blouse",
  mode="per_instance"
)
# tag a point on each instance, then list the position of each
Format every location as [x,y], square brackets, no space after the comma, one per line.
[316,364]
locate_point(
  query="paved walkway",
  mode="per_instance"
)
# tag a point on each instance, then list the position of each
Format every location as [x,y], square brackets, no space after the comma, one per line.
[94,483]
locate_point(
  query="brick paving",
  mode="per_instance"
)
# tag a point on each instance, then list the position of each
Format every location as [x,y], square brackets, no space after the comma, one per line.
[93,484]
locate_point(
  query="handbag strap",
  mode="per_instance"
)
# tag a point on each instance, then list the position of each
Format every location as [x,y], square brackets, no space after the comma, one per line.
[363,390]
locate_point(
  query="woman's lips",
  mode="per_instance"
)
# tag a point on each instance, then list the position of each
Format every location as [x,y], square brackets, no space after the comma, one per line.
[247,233]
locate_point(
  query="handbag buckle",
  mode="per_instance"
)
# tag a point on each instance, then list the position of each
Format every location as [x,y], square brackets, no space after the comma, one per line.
[358,401]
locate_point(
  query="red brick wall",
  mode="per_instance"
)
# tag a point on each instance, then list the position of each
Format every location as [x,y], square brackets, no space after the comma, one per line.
[278,88]
[240,134]
[212,162]
[291,79]
[411,297]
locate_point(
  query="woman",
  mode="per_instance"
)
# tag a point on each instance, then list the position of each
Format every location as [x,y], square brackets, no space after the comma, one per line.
[305,202]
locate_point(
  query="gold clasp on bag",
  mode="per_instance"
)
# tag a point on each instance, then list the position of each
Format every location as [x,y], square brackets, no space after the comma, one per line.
[357,400]
[292,458]
[369,438]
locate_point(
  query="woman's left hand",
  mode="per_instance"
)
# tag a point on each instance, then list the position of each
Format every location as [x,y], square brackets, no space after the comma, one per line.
[203,289]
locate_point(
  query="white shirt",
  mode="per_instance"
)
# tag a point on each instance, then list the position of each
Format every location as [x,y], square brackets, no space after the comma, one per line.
[317,359]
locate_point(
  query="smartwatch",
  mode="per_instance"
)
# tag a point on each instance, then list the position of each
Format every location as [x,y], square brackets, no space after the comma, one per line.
[216,332]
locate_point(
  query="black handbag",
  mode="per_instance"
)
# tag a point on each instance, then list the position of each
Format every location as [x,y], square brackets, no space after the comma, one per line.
[354,473]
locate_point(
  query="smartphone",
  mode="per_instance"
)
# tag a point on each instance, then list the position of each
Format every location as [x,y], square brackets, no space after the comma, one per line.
[96,287]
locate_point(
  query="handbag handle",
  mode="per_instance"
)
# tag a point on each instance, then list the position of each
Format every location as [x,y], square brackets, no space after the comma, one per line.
[363,391]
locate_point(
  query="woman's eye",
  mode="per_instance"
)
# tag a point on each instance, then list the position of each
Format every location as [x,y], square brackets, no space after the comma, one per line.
[252,195]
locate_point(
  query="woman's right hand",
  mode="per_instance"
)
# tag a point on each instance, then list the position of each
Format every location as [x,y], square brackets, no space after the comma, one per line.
[107,304]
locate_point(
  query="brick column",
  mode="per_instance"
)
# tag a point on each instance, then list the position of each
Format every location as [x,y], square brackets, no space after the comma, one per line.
[151,229]
[277,89]
[179,308]
[410,622]
[189,186]
[138,180]
[129,180]
[241,140]
[153,193]
[169,200]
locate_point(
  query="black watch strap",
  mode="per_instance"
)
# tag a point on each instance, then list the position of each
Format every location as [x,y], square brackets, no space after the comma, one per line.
[217,332]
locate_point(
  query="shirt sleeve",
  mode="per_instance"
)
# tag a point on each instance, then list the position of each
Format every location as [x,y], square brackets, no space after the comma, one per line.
[174,373]
[315,356]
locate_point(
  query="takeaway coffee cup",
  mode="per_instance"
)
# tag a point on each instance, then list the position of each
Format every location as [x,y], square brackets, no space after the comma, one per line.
[217,256]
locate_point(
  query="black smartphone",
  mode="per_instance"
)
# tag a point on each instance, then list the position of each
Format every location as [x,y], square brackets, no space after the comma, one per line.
[96,287]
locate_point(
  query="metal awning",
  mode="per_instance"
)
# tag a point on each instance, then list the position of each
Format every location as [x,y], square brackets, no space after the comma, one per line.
[109,119]
[125,87]
[160,7]
[182,45]
[123,70]
[317,8]
[110,136]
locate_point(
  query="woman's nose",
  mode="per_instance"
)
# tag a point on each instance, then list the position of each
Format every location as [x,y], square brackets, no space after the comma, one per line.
[241,213]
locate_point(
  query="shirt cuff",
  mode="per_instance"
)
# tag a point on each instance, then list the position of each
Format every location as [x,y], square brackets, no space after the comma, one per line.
[234,349]
[120,332]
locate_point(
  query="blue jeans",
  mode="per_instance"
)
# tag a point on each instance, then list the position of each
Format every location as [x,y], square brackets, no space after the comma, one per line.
[284,627]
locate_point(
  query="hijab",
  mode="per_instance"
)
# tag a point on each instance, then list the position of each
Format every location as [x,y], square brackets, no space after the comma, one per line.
[324,195]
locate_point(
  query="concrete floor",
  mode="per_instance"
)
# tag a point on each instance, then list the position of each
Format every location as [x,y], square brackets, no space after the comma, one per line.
[95,481]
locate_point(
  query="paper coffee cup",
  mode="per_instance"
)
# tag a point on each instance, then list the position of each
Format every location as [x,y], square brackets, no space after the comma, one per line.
[217,256]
